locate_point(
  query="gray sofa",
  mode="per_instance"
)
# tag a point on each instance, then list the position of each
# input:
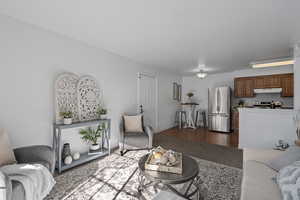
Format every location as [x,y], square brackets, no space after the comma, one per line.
[32,154]
[258,180]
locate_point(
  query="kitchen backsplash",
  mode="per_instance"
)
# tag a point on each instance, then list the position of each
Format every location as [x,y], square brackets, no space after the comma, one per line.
[287,101]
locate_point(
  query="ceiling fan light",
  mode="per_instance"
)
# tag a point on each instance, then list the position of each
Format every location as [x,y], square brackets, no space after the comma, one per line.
[201,75]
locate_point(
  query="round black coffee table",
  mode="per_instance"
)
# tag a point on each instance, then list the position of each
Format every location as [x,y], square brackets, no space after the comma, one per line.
[189,173]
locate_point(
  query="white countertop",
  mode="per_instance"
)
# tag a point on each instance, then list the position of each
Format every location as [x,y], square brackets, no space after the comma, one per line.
[265,110]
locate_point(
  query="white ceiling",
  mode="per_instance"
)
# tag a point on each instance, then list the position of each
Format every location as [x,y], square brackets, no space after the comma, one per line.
[224,35]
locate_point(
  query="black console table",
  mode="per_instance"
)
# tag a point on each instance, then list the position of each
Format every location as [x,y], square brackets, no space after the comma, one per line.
[84,157]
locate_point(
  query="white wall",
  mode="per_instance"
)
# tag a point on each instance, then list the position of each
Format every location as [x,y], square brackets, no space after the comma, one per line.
[200,86]
[30,60]
[297,76]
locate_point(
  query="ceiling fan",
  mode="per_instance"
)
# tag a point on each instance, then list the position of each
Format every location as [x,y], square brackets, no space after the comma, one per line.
[201,74]
[201,71]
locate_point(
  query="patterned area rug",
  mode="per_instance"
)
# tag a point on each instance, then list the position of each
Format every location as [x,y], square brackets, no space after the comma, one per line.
[116,178]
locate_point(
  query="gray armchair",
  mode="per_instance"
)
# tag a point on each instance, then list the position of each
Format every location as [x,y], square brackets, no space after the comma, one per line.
[39,154]
[135,141]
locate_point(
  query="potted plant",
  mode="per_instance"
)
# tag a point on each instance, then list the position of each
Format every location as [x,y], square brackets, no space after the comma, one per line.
[190,95]
[102,113]
[91,135]
[67,117]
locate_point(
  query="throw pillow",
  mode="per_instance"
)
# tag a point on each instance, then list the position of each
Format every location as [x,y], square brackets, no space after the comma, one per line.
[288,180]
[291,155]
[133,123]
[7,155]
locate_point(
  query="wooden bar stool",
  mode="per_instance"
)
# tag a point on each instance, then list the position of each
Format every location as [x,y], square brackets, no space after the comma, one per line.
[180,118]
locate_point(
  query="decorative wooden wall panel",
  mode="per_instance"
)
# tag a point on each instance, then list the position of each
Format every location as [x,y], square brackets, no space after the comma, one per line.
[66,95]
[88,98]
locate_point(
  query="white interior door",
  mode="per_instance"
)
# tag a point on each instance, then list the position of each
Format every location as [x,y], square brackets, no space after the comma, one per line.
[147,98]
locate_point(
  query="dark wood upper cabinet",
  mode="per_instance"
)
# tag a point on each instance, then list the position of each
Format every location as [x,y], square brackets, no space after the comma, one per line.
[249,88]
[272,81]
[238,87]
[287,84]
[259,82]
[244,86]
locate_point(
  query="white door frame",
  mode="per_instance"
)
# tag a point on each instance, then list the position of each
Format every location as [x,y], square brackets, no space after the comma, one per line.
[155,126]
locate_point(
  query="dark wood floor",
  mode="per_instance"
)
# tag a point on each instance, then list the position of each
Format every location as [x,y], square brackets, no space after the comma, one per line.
[201,143]
[204,135]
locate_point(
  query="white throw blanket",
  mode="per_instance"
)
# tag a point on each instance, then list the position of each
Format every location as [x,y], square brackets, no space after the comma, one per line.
[35,178]
[2,186]
[288,180]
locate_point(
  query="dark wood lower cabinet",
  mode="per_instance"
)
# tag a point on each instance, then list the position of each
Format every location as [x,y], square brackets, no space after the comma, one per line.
[234,139]
[235,120]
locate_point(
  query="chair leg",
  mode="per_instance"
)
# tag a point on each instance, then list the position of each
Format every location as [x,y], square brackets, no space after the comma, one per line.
[204,119]
[176,117]
[196,119]
[180,120]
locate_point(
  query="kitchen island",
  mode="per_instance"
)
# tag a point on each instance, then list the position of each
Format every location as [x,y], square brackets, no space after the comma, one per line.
[262,128]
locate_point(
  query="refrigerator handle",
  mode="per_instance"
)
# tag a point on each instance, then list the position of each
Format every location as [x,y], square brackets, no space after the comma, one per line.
[218,100]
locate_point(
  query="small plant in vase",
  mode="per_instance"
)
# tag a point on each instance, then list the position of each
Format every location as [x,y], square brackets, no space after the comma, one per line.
[190,95]
[91,135]
[67,117]
[102,113]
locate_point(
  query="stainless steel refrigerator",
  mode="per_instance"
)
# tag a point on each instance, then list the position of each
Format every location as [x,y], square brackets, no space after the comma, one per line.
[219,109]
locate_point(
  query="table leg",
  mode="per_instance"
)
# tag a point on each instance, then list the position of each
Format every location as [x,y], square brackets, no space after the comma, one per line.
[192,124]
[188,188]
[188,194]
[172,189]
[190,120]
[59,152]
[54,144]
[197,183]
[108,137]
[144,183]
[141,180]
